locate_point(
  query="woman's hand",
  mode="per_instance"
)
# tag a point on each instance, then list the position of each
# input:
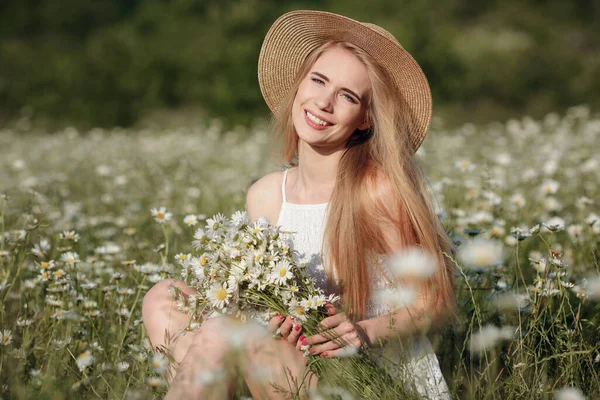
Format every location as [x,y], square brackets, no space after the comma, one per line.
[340,336]
[285,329]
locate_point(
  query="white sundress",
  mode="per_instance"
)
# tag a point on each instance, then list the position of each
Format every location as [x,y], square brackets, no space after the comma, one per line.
[307,221]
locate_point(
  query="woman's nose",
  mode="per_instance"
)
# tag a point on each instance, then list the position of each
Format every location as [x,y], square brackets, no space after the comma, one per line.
[325,101]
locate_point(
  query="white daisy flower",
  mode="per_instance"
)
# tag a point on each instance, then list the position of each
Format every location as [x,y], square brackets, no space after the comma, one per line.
[215,225]
[190,220]
[161,215]
[481,253]
[583,201]
[488,336]
[182,258]
[281,273]
[497,231]
[69,258]
[569,393]
[240,218]
[553,225]
[464,165]
[308,304]
[201,239]
[319,300]
[592,219]
[160,363]
[395,298]
[156,381]
[538,264]
[219,295]
[69,235]
[41,249]
[84,360]
[297,311]
[549,186]
[6,338]
[517,200]
[413,262]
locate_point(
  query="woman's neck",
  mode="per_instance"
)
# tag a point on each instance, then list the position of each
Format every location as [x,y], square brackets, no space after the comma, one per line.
[316,173]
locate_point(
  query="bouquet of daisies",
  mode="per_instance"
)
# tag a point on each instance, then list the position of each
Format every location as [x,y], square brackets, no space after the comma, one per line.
[247,269]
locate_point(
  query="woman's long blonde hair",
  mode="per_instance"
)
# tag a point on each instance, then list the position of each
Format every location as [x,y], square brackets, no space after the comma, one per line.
[356,217]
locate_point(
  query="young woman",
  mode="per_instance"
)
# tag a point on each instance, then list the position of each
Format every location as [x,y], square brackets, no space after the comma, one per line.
[351,107]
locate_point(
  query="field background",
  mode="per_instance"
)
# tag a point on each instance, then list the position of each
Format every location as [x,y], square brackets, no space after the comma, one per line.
[109,109]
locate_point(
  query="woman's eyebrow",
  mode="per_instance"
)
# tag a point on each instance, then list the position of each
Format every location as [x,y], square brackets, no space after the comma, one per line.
[326,79]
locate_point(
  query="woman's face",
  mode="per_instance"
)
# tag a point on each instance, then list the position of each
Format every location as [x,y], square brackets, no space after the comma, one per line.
[331,100]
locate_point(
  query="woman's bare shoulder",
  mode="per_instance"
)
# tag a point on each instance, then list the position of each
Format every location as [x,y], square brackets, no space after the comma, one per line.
[263,198]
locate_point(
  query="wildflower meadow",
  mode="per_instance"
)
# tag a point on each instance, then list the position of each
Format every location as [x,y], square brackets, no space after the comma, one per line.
[89,221]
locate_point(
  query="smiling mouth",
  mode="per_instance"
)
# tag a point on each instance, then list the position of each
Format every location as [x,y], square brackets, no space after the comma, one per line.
[316,120]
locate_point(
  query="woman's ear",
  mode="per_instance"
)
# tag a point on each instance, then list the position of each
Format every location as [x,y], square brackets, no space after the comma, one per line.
[365,125]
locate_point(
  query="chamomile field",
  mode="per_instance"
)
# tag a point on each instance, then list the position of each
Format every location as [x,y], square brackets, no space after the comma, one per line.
[91,220]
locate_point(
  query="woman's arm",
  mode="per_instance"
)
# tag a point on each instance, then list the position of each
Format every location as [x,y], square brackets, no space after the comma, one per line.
[422,317]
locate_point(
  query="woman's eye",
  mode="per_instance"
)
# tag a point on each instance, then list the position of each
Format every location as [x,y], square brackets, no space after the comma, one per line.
[350,98]
[317,80]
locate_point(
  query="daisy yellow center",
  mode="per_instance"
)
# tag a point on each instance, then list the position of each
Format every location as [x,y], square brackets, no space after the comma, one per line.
[464,164]
[203,261]
[221,294]
[69,236]
[160,215]
[155,364]
[45,264]
[293,288]
[299,310]
[4,339]
[70,260]
[308,303]
[282,272]
[45,275]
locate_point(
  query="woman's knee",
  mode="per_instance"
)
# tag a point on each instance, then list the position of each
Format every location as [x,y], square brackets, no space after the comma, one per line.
[162,293]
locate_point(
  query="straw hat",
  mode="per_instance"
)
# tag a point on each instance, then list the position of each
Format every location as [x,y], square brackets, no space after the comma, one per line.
[295,34]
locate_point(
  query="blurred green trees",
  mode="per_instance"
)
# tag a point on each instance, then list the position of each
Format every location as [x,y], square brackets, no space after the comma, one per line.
[111,62]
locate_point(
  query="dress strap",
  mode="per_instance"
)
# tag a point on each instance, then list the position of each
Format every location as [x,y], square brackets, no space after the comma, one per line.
[283,185]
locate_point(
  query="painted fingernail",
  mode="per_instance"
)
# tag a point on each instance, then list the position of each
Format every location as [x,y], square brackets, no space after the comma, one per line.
[297,327]
[281,316]
[301,338]
[292,318]
[312,351]
[304,342]
[324,354]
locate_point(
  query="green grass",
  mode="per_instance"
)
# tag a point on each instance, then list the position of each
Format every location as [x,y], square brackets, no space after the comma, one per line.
[102,185]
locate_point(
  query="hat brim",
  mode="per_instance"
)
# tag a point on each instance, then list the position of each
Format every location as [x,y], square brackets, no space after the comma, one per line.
[294,35]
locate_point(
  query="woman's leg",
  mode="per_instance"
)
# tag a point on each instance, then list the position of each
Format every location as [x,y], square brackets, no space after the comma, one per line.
[165,325]
[208,369]
[274,369]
